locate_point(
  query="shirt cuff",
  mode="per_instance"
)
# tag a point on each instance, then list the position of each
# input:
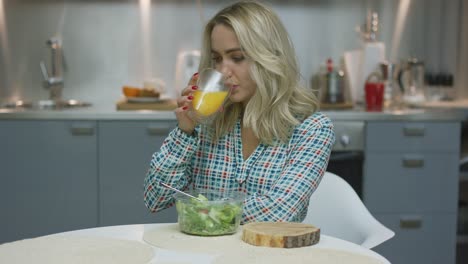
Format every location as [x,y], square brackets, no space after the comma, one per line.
[184,138]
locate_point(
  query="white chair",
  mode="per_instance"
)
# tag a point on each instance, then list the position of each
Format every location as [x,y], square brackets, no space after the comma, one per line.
[338,211]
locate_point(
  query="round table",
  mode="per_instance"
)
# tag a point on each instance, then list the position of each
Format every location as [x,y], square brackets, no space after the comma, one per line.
[135,232]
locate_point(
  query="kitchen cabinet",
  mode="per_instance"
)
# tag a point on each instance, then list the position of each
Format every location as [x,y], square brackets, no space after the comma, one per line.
[411,185]
[462,223]
[66,171]
[125,150]
[48,177]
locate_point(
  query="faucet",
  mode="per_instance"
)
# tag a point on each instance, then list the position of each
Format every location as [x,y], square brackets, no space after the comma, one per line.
[54,81]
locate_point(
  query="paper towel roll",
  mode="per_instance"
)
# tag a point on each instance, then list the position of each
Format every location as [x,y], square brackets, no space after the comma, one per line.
[373,53]
[360,64]
[352,61]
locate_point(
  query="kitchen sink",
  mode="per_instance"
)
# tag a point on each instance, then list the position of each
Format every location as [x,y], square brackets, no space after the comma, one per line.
[46,105]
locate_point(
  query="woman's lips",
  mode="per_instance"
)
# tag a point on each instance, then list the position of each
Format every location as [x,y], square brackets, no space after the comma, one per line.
[234,87]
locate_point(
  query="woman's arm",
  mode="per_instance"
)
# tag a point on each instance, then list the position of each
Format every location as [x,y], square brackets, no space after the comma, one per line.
[288,198]
[170,165]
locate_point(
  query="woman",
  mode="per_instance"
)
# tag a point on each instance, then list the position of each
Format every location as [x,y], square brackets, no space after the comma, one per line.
[270,142]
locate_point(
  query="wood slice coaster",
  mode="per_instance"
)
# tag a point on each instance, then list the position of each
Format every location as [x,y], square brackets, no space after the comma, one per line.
[281,234]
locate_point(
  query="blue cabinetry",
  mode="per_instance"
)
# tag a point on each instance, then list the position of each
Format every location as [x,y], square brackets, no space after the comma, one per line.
[411,186]
[125,150]
[48,177]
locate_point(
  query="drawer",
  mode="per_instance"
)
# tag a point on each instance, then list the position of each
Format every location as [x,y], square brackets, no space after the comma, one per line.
[419,239]
[410,182]
[413,136]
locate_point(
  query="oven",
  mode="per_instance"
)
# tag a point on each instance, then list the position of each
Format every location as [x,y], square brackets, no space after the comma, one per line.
[347,157]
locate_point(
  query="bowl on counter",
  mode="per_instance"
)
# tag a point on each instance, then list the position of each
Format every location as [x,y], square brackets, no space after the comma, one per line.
[213,214]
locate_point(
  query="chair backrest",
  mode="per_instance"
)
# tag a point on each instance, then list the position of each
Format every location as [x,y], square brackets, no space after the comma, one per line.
[338,211]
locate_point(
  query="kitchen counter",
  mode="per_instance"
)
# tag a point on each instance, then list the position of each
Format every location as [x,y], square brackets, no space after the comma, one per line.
[97,113]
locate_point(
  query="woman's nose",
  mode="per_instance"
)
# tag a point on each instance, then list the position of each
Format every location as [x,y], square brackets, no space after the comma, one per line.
[226,71]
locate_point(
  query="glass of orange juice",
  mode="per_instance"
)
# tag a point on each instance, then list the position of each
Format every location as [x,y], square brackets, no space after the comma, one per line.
[210,96]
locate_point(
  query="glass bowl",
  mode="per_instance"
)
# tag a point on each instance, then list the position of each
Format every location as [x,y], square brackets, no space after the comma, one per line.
[216,214]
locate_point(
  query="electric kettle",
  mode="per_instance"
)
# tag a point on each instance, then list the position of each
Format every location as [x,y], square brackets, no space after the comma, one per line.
[186,66]
[411,80]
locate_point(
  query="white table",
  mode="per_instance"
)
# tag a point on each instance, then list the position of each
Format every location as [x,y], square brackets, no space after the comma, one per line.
[135,232]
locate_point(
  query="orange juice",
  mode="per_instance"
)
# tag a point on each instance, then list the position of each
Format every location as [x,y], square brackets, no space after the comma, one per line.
[207,103]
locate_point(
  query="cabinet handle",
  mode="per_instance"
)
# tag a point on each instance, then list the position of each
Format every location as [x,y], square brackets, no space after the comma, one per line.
[411,222]
[157,129]
[414,130]
[82,129]
[413,162]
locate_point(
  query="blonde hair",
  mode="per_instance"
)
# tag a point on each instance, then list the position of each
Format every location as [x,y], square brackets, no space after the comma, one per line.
[280,101]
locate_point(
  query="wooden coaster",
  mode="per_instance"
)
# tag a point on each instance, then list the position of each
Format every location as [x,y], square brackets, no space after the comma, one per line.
[281,234]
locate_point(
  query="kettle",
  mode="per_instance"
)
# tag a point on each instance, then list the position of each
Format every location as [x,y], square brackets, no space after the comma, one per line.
[411,80]
[187,64]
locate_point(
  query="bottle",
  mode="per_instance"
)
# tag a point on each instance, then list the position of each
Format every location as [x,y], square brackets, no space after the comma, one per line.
[334,81]
[392,93]
[446,85]
[433,87]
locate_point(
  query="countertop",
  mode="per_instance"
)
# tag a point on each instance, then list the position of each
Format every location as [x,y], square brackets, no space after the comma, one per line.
[109,113]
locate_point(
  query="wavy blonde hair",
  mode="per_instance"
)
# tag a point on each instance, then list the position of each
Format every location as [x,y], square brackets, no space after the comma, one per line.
[280,101]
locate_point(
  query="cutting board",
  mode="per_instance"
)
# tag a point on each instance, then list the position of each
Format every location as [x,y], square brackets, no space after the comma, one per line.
[163,105]
[280,234]
[337,106]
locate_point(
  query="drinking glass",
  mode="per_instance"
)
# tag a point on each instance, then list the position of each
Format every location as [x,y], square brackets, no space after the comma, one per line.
[209,98]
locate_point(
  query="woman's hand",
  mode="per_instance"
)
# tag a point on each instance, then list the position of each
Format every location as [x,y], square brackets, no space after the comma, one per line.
[184,103]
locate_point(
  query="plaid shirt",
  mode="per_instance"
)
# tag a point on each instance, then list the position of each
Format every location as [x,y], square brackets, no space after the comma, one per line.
[278,179]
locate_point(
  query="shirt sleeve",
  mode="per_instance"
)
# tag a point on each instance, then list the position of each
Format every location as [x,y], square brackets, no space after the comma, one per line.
[171,165]
[288,198]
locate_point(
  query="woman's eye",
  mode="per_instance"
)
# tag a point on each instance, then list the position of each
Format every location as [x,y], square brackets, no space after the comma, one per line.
[238,58]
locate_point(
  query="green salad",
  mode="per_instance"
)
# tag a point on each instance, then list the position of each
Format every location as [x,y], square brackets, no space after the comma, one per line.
[209,218]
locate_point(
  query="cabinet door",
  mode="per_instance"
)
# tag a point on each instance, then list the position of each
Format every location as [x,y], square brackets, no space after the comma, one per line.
[48,177]
[125,150]
[411,182]
[419,238]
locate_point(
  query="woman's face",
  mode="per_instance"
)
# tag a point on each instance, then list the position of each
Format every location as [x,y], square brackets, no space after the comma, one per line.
[229,59]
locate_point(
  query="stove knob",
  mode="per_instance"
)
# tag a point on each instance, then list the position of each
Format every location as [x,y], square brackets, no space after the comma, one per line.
[345,140]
